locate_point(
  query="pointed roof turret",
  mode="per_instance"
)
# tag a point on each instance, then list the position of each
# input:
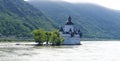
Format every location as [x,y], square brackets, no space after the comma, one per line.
[69,19]
[61,29]
[69,22]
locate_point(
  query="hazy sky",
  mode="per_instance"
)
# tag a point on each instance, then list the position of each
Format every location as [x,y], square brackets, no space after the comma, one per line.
[113,4]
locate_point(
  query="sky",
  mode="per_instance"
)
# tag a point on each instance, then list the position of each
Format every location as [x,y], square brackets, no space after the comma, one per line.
[113,4]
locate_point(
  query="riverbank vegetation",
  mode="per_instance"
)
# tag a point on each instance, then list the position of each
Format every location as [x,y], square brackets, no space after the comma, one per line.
[43,37]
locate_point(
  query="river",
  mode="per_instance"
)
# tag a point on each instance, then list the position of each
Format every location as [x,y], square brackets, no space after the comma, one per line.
[88,51]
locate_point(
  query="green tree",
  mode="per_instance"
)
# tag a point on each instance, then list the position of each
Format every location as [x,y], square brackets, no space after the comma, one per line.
[39,36]
[56,39]
[48,35]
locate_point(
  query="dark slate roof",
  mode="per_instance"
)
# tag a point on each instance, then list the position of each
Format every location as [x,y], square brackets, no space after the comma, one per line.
[69,22]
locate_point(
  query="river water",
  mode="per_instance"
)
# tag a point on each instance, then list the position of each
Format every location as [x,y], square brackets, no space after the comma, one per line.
[88,51]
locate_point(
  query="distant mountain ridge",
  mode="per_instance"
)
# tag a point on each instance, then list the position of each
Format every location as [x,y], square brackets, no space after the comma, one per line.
[19,18]
[94,21]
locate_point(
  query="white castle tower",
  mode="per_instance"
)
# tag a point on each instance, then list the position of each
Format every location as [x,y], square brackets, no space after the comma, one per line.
[70,34]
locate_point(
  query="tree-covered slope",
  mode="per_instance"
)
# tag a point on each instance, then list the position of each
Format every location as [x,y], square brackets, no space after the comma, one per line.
[18,18]
[94,21]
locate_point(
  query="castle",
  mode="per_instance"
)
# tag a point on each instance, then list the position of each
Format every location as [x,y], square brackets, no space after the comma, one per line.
[70,34]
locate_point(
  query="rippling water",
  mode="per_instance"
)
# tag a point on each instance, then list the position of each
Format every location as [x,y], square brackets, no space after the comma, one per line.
[89,51]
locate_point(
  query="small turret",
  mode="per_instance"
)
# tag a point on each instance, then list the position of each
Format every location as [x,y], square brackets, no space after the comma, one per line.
[61,29]
[69,19]
[70,30]
[80,33]
[75,32]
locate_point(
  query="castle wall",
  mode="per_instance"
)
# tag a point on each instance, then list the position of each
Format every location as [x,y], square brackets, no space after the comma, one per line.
[71,41]
[68,40]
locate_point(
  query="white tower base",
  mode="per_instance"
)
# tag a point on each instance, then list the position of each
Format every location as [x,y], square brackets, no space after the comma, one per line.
[71,40]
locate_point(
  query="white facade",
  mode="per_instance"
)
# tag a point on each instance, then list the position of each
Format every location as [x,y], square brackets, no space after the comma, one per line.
[68,27]
[68,40]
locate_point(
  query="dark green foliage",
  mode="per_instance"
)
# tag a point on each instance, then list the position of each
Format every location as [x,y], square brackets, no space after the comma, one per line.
[93,20]
[55,38]
[18,18]
[48,34]
[41,36]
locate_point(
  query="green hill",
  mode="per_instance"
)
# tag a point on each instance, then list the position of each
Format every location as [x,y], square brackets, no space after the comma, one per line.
[18,18]
[94,21]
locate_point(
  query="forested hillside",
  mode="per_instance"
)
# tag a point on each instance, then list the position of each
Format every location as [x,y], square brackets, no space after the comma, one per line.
[93,20]
[18,18]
